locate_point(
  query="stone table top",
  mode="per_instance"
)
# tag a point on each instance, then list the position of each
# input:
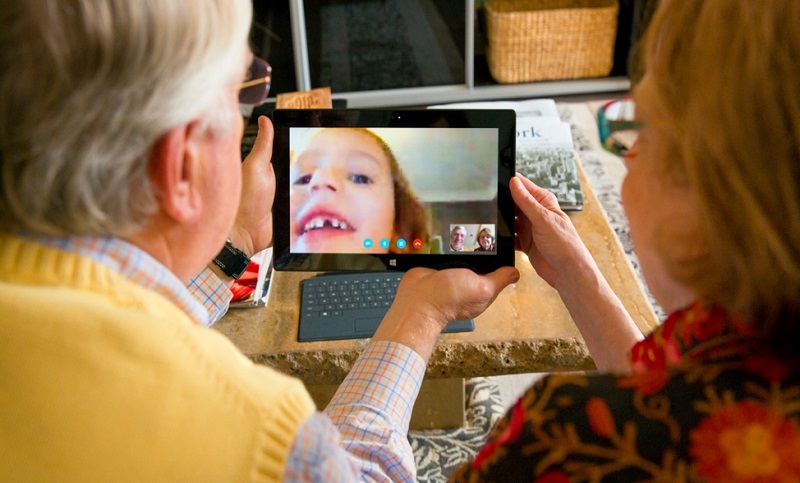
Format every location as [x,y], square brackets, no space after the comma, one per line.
[527,329]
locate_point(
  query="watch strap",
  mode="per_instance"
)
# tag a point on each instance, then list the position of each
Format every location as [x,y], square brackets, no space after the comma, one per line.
[232,261]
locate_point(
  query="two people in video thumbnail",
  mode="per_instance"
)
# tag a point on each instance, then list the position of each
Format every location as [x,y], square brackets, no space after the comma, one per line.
[349,194]
[472,238]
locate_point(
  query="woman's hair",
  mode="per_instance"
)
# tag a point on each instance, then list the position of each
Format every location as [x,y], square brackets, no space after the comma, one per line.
[727,78]
[89,86]
[411,219]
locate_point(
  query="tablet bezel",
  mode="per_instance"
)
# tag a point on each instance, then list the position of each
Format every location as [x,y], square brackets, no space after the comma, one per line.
[504,120]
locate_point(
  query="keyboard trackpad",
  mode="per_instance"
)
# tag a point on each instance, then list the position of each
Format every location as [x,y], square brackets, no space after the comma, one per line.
[367,324]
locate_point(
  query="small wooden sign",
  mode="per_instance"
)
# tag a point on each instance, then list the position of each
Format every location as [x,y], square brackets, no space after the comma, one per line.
[319,98]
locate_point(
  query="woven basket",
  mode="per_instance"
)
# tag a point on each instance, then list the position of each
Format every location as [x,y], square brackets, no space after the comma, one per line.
[532,40]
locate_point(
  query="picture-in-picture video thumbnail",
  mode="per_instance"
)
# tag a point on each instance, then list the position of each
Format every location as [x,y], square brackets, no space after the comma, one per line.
[393,190]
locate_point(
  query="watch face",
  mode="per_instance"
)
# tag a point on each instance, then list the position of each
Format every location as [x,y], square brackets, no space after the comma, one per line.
[232,261]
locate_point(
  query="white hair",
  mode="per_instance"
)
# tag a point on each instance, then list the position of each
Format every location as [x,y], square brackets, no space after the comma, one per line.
[87,87]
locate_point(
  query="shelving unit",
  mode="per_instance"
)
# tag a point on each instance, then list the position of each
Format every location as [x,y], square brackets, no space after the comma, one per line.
[467,90]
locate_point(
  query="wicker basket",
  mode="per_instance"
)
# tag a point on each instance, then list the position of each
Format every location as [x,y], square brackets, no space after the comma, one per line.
[533,40]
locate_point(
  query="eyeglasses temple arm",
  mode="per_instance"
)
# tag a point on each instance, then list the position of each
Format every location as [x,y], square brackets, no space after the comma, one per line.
[256,81]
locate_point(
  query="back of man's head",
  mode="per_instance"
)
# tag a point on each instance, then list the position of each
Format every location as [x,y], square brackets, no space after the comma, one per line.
[88,86]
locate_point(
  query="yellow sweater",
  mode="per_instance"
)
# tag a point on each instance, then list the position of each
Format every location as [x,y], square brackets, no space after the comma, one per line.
[104,380]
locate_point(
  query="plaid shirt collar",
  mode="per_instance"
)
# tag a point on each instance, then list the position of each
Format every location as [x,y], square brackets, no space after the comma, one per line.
[134,264]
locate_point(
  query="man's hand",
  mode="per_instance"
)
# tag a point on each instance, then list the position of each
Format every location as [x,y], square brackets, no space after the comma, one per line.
[252,230]
[427,300]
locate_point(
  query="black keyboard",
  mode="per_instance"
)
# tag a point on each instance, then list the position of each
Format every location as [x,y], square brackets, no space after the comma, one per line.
[351,305]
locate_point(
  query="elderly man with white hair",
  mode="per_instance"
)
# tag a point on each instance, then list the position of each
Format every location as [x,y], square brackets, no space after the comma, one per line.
[121,230]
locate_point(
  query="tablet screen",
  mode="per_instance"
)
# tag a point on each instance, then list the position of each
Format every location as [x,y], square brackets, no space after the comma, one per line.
[393,189]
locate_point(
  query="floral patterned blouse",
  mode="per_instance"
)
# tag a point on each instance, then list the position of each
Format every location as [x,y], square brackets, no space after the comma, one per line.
[707,401]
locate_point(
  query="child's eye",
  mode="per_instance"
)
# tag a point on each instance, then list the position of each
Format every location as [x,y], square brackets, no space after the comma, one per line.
[303,180]
[360,179]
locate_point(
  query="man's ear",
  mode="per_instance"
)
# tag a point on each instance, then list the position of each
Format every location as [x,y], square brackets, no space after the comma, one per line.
[175,172]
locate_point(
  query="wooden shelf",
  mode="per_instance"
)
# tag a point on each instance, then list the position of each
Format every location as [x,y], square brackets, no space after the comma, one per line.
[422,96]
[477,85]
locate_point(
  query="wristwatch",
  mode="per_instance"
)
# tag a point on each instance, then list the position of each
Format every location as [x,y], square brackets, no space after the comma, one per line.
[232,261]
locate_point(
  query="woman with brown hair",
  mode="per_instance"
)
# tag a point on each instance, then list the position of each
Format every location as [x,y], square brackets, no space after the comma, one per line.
[485,240]
[713,199]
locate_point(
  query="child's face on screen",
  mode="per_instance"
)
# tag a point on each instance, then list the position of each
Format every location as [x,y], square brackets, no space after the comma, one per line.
[342,193]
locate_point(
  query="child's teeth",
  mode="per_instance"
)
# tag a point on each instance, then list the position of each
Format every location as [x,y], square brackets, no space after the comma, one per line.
[319,222]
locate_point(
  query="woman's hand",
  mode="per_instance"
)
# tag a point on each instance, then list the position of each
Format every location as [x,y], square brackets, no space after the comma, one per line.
[560,257]
[427,300]
[546,234]
[252,230]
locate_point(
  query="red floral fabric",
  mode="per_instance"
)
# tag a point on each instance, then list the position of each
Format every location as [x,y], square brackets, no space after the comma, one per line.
[707,401]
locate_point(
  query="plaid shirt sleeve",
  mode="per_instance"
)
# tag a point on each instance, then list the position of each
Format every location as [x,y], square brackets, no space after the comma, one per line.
[371,410]
[212,292]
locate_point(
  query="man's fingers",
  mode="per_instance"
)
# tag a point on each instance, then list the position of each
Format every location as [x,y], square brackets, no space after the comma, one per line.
[262,146]
[503,277]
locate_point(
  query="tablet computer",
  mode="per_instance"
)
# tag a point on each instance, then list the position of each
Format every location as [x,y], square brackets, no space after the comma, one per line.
[372,190]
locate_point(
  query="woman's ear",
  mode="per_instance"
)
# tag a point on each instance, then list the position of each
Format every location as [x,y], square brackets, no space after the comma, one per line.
[174,171]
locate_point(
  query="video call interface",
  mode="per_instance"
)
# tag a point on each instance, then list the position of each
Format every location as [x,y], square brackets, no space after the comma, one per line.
[405,190]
